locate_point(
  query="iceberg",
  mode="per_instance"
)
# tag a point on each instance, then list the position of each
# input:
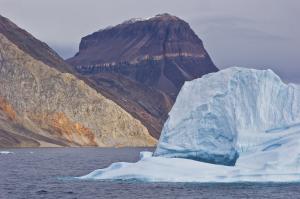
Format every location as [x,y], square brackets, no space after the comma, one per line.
[237,124]
[222,114]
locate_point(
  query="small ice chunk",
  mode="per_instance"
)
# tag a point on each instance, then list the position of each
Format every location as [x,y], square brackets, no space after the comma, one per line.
[6,152]
[145,154]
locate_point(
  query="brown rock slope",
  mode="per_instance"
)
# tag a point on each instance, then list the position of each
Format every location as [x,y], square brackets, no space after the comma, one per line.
[142,64]
[41,106]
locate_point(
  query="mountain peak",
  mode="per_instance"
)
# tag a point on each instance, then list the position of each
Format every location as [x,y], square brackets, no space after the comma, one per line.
[166,17]
[163,38]
[142,64]
[138,39]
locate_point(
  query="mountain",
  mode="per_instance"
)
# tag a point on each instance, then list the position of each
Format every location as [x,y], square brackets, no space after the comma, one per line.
[222,114]
[142,64]
[236,125]
[43,105]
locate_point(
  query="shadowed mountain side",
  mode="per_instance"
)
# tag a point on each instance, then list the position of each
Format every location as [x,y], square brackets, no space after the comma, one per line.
[144,61]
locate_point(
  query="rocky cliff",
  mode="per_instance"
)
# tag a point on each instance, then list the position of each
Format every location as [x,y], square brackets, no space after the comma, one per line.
[42,105]
[142,64]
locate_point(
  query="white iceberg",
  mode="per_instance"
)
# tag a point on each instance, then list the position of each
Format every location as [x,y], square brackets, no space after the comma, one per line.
[245,118]
[218,116]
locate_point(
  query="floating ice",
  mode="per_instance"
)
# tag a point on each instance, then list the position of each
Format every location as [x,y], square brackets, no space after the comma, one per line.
[277,160]
[245,118]
[6,152]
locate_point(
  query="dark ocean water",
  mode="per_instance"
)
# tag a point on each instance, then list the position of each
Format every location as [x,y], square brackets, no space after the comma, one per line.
[44,172]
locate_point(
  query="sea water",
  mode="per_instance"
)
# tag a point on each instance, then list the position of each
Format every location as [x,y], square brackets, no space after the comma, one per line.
[48,173]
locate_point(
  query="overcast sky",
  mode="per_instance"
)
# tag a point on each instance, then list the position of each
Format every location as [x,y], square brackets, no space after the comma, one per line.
[248,33]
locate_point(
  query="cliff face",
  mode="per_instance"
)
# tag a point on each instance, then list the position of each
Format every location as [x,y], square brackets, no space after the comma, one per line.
[138,61]
[41,106]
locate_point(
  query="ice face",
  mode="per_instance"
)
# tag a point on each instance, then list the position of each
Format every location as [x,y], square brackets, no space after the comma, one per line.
[222,114]
[245,118]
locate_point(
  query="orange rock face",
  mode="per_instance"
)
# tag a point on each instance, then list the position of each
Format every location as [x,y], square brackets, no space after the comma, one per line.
[60,124]
[7,109]
[72,130]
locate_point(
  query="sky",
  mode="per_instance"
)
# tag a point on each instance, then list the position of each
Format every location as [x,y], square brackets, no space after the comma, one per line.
[248,33]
